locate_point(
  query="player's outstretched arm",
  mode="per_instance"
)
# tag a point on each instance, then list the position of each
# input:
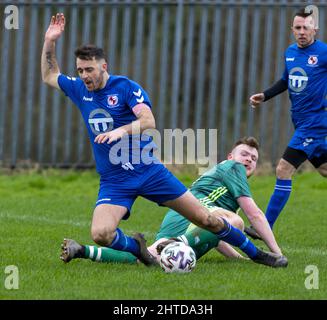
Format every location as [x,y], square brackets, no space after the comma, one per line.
[277,88]
[49,66]
[259,222]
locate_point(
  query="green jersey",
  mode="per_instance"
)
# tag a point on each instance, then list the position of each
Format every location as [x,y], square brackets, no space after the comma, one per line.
[218,187]
[222,185]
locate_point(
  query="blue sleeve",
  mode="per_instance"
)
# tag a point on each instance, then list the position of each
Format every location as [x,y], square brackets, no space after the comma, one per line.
[135,94]
[71,86]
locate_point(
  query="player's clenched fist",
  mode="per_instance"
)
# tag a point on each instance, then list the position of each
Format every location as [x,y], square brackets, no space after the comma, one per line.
[256,99]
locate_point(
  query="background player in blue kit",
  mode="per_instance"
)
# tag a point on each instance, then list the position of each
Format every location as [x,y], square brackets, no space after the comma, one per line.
[116,111]
[305,77]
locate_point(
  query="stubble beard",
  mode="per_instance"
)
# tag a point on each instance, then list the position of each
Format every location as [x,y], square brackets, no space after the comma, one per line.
[99,81]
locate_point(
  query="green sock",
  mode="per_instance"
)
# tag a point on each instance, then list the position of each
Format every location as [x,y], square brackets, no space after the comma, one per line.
[102,254]
[200,240]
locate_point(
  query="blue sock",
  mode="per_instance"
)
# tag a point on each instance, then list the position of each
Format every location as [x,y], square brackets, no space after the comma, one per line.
[125,243]
[278,200]
[236,238]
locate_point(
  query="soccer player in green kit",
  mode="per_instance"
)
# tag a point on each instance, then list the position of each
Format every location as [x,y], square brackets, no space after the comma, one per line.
[224,186]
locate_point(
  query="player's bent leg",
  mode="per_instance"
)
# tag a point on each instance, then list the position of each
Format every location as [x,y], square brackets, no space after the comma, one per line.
[106,218]
[283,187]
[190,207]
[105,232]
[233,218]
[71,249]
[202,240]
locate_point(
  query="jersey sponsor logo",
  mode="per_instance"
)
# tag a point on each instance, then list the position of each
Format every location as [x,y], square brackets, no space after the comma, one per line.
[71,78]
[100,121]
[313,60]
[138,94]
[87,99]
[297,79]
[112,100]
[290,59]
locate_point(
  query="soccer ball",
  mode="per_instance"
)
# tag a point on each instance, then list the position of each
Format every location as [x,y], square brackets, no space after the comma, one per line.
[177,257]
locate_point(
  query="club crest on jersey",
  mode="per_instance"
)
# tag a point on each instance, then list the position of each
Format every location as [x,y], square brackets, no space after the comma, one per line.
[112,100]
[313,60]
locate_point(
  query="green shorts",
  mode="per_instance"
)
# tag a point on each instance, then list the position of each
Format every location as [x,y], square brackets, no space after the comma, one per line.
[174,225]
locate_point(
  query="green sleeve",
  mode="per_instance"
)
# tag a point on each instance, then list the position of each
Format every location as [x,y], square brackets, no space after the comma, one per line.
[236,181]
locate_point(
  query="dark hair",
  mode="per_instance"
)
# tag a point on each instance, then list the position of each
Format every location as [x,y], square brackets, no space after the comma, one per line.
[88,52]
[250,141]
[302,13]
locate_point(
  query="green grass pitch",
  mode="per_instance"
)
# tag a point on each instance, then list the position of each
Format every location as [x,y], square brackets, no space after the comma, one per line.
[37,210]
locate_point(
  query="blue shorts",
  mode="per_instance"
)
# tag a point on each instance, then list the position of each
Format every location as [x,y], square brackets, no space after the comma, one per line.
[313,146]
[153,182]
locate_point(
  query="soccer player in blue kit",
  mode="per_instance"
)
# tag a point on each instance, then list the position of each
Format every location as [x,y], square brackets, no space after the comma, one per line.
[305,77]
[115,108]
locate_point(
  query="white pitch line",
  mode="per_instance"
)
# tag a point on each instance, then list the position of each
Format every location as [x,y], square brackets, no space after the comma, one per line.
[83,224]
[48,220]
[313,251]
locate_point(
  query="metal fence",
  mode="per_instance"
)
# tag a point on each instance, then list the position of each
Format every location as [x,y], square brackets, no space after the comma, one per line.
[198,60]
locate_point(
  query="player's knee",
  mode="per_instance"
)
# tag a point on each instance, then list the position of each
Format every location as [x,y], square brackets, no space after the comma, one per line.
[101,236]
[237,222]
[284,170]
[203,222]
[212,223]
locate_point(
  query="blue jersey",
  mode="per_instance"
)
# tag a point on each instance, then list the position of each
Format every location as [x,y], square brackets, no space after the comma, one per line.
[306,74]
[107,109]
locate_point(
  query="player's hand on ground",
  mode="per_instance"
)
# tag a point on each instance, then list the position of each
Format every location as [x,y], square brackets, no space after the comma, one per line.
[110,136]
[256,99]
[56,27]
